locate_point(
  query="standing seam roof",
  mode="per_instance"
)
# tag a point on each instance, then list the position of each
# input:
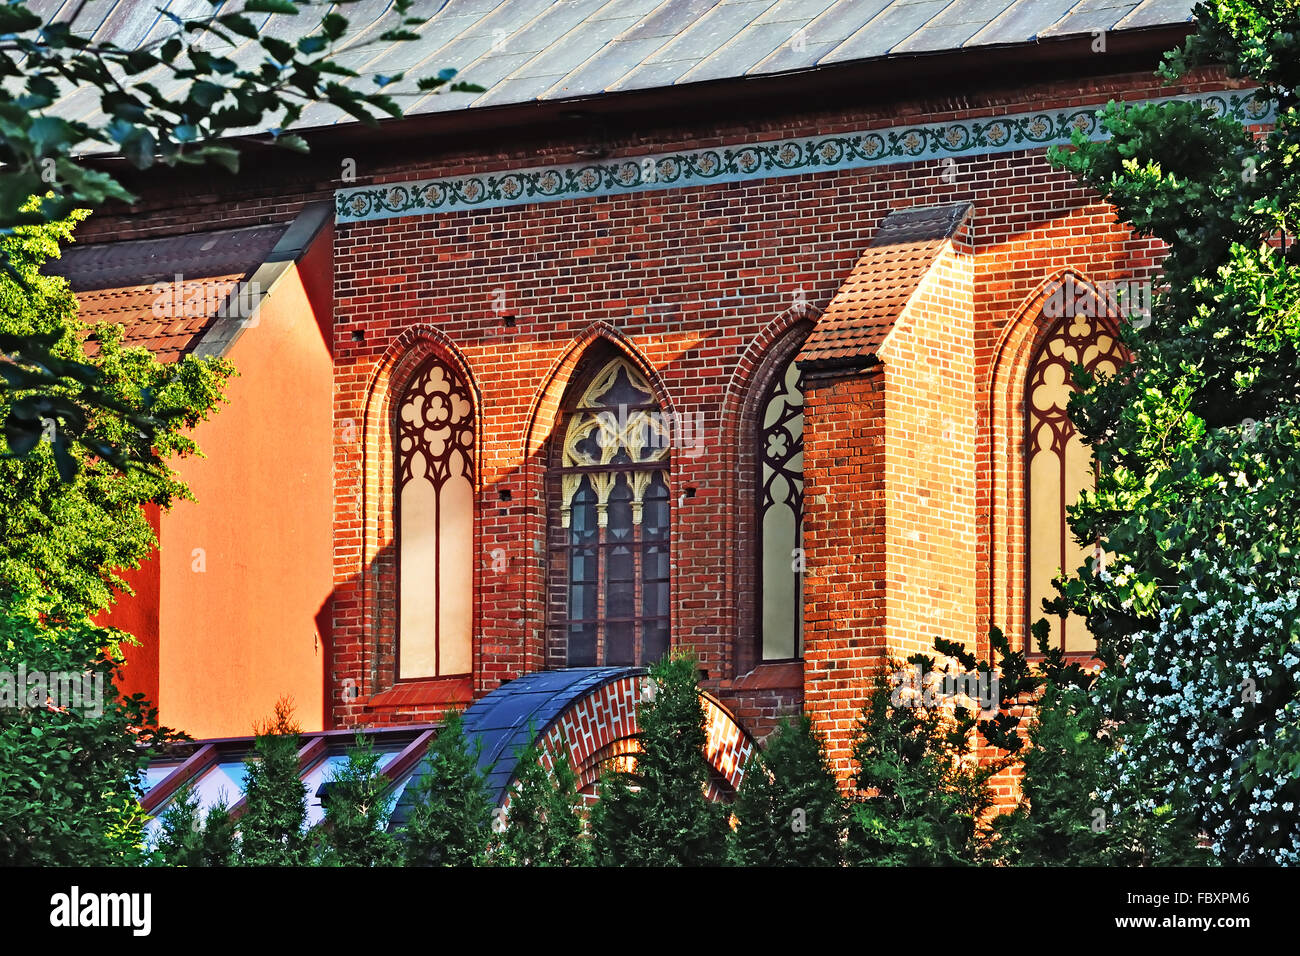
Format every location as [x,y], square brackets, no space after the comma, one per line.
[526,51]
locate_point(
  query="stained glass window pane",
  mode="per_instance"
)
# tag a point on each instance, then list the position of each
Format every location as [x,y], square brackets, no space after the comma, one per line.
[614,500]
[654,645]
[619,642]
[435,526]
[582,645]
[1059,465]
[780,516]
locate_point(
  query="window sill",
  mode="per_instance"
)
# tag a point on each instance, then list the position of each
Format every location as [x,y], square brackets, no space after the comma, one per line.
[446,690]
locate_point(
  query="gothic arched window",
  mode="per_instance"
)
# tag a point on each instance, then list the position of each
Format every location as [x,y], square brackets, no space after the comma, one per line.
[609,547]
[1058,464]
[435,524]
[779,460]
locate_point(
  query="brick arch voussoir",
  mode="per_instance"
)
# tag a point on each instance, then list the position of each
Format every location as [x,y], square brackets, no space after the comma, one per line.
[749,379]
[1025,332]
[755,364]
[399,362]
[1019,342]
[602,726]
[540,424]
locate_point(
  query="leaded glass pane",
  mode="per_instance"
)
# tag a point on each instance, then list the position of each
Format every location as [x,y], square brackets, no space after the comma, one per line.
[614,499]
[780,516]
[1059,465]
[435,526]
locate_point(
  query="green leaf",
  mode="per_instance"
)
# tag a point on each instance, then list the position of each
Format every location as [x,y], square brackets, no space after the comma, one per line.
[280,50]
[271,6]
[334,25]
[15,18]
[139,148]
[204,93]
[224,156]
[294,142]
[240,24]
[49,133]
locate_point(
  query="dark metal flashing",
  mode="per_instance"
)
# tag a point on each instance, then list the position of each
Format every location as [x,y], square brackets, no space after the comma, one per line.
[221,335]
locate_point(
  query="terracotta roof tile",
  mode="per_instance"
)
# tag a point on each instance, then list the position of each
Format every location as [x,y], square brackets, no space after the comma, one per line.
[166,293]
[881,284]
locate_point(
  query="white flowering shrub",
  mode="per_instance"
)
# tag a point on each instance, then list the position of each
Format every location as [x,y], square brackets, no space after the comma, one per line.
[1217,681]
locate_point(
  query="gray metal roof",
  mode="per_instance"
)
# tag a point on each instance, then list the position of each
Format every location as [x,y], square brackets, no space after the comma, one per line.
[545,50]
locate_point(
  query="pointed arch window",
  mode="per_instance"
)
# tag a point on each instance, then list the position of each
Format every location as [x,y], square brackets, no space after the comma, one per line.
[435,524]
[779,519]
[1058,464]
[609,547]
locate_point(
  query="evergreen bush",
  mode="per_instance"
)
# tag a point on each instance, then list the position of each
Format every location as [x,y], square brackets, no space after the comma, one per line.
[658,814]
[789,811]
[544,823]
[357,807]
[272,828]
[451,822]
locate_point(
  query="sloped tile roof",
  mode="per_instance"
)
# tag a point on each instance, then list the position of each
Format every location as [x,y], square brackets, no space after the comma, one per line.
[525,51]
[166,293]
[150,315]
[881,284]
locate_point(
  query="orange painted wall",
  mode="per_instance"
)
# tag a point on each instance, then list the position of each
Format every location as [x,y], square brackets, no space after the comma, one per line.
[244,630]
[138,615]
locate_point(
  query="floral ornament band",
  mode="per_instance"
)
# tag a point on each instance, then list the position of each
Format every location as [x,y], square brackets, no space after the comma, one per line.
[791,157]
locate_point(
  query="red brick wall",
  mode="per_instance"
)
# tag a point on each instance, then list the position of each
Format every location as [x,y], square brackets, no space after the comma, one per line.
[930,431]
[603,726]
[844,540]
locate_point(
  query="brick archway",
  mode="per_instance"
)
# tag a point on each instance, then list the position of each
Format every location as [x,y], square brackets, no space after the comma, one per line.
[368,439]
[602,727]
[594,711]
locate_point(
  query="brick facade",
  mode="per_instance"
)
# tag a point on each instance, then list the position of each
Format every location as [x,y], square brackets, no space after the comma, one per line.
[913,526]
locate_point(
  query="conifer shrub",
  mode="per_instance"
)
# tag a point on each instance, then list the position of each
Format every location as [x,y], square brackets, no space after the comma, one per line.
[1075,808]
[451,821]
[357,808]
[658,814]
[544,823]
[789,811]
[187,836]
[921,796]
[272,828]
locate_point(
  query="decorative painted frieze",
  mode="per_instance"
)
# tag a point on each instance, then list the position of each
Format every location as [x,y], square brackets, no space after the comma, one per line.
[788,157]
